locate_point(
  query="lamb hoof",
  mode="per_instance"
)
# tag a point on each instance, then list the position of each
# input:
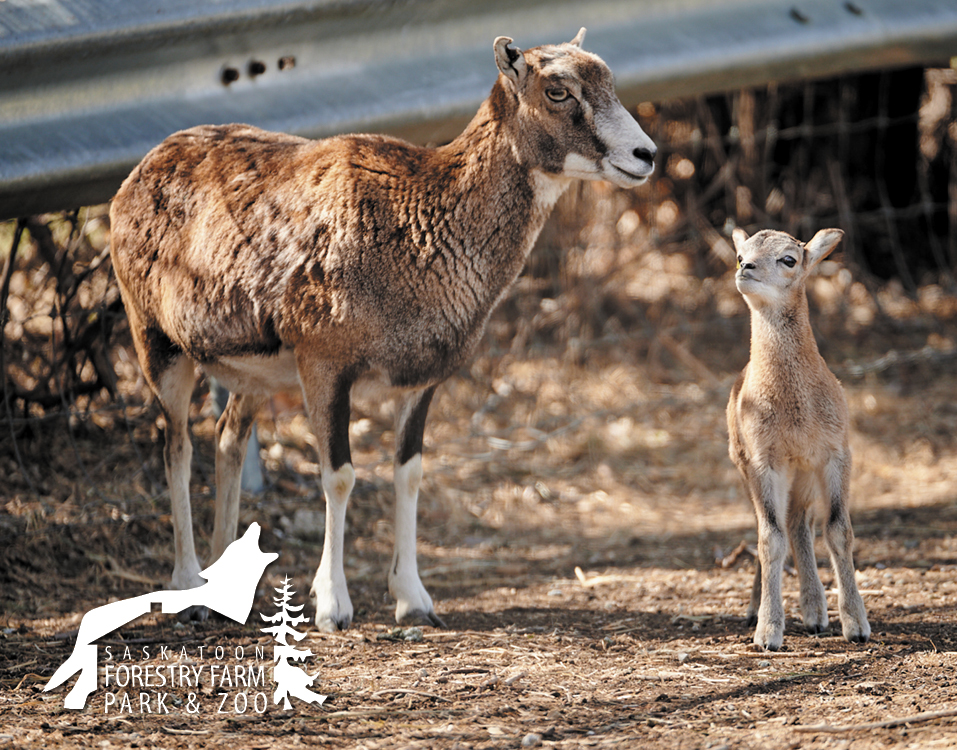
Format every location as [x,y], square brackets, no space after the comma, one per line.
[769,638]
[859,638]
[856,630]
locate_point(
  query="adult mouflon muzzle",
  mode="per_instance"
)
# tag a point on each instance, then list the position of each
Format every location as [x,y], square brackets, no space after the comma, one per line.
[630,160]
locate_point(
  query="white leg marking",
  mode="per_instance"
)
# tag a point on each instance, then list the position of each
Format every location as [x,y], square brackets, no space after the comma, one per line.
[412,600]
[174,389]
[329,591]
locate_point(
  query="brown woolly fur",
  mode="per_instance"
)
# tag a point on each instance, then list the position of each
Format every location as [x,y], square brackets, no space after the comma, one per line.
[788,436]
[271,241]
[275,261]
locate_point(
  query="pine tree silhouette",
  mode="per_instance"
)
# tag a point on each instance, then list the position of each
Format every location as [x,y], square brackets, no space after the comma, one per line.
[290,680]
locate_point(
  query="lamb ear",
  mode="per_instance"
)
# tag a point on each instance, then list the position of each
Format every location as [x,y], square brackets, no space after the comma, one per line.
[740,237]
[821,245]
[510,61]
[579,38]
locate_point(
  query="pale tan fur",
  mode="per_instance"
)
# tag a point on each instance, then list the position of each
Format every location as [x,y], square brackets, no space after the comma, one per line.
[275,262]
[788,427]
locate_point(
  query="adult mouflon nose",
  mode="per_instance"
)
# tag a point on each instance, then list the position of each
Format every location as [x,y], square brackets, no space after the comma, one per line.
[645,153]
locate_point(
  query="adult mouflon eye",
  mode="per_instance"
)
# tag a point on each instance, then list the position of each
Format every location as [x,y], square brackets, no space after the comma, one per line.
[788,261]
[557,94]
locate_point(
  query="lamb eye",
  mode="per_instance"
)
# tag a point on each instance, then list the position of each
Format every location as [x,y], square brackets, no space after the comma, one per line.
[788,261]
[557,94]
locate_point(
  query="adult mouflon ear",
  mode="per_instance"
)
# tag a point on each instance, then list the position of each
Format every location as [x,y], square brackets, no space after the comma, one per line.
[510,61]
[821,245]
[579,38]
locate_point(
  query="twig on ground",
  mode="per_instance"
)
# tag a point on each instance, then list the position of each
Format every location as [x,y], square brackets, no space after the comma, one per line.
[405,691]
[514,678]
[114,569]
[33,677]
[914,719]
[735,555]
[587,582]
[364,713]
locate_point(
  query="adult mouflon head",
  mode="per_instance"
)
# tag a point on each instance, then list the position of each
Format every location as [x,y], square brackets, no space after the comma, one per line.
[571,122]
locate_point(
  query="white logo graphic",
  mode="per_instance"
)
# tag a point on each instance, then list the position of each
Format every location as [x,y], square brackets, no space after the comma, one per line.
[230,588]
[290,679]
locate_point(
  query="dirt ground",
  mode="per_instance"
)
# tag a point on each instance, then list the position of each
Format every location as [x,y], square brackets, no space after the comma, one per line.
[580,522]
[577,505]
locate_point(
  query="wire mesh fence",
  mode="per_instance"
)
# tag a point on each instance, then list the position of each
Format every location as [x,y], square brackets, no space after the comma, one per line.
[871,153]
[874,154]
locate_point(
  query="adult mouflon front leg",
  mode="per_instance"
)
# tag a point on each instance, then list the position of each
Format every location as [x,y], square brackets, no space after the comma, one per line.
[413,603]
[326,392]
[330,594]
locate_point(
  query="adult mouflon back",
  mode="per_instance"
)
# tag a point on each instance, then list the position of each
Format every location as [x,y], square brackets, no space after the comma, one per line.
[279,262]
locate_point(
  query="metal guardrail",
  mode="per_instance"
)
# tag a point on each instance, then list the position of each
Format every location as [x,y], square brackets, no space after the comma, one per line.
[87,88]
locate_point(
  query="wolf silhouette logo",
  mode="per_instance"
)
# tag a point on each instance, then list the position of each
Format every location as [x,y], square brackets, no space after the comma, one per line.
[230,588]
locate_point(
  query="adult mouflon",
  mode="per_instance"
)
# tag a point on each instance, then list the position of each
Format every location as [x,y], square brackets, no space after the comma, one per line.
[278,262]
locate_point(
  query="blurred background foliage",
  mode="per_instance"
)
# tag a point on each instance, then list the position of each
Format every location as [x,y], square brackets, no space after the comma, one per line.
[638,276]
